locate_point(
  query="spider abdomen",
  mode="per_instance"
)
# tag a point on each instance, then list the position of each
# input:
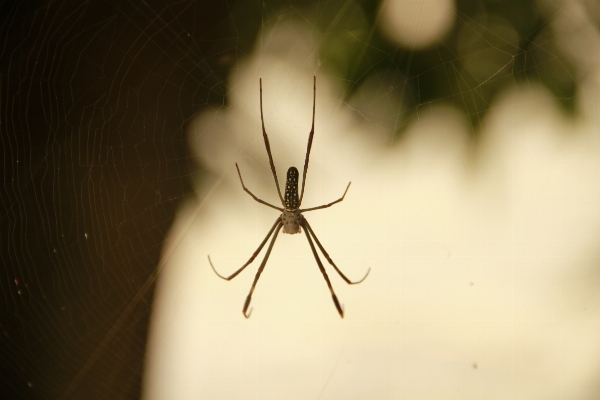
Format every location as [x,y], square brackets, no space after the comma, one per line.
[291,221]
[291,214]
[291,199]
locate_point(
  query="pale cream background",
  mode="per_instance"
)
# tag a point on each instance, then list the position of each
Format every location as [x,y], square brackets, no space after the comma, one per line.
[484,255]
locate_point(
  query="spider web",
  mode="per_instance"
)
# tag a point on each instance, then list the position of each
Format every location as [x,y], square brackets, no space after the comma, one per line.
[96,97]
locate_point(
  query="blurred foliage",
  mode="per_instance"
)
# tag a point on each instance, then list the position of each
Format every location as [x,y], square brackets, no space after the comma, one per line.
[492,45]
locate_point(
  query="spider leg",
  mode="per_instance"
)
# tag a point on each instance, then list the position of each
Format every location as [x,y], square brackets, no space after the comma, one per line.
[230,277]
[340,308]
[330,204]
[348,281]
[260,270]
[310,139]
[251,194]
[268,146]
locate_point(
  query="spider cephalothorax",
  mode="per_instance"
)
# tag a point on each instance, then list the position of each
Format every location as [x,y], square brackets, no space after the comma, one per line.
[291,219]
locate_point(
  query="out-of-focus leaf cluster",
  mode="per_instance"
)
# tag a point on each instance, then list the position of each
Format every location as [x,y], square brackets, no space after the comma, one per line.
[491,46]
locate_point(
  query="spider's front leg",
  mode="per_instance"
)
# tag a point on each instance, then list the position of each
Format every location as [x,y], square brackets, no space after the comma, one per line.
[339,307]
[260,270]
[230,277]
[309,230]
[276,228]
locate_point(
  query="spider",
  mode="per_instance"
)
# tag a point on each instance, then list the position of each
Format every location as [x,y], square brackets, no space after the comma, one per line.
[291,218]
